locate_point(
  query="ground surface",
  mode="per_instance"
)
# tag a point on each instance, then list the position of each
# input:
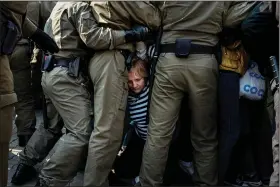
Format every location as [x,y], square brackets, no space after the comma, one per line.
[15,150]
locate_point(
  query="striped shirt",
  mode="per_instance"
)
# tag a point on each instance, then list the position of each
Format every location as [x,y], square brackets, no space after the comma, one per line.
[138,106]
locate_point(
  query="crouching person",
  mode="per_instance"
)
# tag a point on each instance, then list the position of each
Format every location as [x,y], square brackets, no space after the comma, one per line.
[127,166]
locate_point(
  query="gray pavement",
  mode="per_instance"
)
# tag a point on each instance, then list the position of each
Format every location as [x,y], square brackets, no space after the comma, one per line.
[14,153]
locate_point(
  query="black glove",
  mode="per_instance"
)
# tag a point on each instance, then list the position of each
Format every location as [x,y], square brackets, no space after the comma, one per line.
[44,41]
[137,33]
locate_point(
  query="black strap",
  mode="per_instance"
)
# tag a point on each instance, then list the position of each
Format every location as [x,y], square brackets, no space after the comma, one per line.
[195,49]
[128,56]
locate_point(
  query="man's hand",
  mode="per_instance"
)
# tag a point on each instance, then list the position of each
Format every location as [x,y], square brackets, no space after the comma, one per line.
[44,42]
[137,33]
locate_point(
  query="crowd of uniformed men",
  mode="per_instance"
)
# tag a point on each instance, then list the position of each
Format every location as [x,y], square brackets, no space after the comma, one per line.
[75,59]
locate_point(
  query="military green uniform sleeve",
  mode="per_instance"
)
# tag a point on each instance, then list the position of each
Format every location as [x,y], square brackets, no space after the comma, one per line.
[33,12]
[124,14]
[138,12]
[46,8]
[28,28]
[18,7]
[14,11]
[91,33]
[37,12]
[237,12]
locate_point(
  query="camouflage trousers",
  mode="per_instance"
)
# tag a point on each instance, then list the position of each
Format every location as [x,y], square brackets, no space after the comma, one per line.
[274,180]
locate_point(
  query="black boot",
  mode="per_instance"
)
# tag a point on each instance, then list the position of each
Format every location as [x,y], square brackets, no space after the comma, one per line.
[23,139]
[23,174]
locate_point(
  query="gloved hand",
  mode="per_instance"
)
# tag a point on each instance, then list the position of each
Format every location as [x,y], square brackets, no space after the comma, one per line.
[44,41]
[137,33]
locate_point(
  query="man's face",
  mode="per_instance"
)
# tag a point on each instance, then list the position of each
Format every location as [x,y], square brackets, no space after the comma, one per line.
[136,83]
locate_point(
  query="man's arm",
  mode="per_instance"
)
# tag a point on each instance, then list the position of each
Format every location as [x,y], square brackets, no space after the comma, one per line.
[14,11]
[97,37]
[46,8]
[125,14]
[137,12]
[28,28]
[237,12]
[18,7]
[92,35]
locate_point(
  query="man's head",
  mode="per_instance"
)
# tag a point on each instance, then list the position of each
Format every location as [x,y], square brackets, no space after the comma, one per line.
[137,75]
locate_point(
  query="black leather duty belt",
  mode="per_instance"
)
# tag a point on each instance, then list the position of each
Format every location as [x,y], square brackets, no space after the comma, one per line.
[194,49]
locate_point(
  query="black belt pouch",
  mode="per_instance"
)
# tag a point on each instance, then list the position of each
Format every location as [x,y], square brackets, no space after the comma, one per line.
[8,37]
[48,63]
[182,48]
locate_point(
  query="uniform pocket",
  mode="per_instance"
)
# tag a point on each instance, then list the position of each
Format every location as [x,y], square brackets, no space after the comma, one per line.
[123,100]
[120,59]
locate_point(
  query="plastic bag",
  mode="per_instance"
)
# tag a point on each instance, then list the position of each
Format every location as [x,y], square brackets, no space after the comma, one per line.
[252,84]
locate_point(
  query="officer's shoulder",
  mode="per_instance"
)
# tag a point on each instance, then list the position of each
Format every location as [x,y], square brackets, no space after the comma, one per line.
[79,5]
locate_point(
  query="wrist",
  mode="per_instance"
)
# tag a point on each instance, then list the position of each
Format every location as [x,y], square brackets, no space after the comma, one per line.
[119,37]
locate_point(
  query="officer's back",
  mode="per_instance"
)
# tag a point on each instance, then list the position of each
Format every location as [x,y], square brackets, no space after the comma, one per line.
[199,21]
[61,27]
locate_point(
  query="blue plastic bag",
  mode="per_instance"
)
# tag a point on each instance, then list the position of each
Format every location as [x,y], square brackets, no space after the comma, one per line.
[252,84]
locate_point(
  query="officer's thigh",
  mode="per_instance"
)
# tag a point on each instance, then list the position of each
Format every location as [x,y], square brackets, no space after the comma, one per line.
[7,99]
[202,77]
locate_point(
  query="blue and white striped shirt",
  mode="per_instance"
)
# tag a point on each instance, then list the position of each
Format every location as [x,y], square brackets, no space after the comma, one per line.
[138,106]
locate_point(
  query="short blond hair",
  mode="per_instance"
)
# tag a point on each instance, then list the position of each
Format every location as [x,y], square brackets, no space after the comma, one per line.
[141,67]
